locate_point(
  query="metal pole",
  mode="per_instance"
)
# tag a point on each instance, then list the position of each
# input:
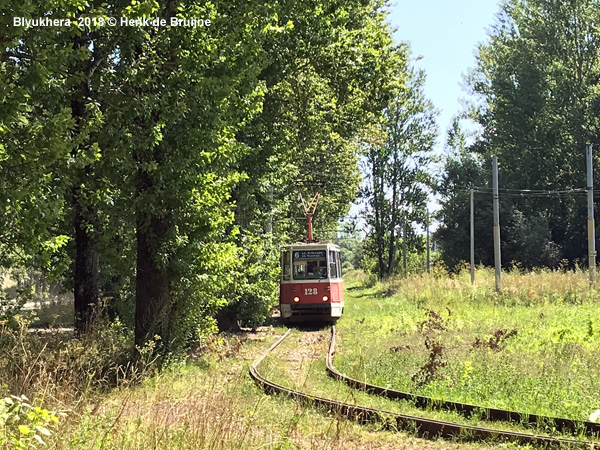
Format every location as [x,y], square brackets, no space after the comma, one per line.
[591,225]
[427,240]
[497,257]
[404,242]
[472,240]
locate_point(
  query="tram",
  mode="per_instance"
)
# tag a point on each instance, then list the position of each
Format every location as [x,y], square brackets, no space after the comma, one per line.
[311,286]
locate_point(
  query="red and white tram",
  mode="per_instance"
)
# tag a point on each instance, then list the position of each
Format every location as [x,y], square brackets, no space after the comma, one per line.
[311,284]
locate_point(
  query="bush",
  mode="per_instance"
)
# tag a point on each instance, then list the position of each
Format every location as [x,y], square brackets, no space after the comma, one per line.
[253,292]
[22,426]
[370,281]
[59,365]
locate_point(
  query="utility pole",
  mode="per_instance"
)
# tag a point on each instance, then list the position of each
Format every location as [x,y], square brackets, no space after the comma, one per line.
[497,257]
[427,240]
[472,240]
[591,225]
[404,242]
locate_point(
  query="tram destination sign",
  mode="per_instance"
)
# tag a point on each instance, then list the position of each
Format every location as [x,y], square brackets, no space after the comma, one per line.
[312,254]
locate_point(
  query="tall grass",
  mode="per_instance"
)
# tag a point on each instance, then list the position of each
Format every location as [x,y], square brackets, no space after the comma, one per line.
[547,365]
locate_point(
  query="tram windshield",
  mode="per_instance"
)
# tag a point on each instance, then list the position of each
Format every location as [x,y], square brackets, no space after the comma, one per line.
[310,264]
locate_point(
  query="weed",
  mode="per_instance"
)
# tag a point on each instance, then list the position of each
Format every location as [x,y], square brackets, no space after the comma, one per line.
[496,341]
[399,348]
[436,360]
[219,346]
[433,322]
[549,367]
[22,425]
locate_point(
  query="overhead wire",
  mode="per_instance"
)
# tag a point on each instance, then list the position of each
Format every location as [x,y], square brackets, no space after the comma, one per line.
[531,193]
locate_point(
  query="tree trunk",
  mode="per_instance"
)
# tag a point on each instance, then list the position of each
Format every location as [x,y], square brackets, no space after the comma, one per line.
[391,254]
[379,222]
[86,276]
[152,288]
[392,242]
[153,306]
[404,236]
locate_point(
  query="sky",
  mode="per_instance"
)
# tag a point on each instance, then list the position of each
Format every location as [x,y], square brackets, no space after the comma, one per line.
[446,34]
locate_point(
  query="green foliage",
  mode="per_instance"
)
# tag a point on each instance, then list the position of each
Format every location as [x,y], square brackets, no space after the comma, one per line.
[535,98]
[329,75]
[351,253]
[136,162]
[462,171]
[254,290]
[22,425]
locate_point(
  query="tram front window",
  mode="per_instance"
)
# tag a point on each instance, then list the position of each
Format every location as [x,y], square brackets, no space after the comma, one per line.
[310,265]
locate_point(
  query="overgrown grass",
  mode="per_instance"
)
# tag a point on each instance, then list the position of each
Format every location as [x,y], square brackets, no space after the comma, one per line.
[532,348]
[58,368]
[210,401]
[103,402]
[213,404]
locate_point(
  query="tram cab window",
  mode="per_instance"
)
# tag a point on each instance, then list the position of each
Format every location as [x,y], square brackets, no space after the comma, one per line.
[286,271]
[309,265]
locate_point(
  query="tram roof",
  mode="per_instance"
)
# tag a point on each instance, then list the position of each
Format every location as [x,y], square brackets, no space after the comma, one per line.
[309,245]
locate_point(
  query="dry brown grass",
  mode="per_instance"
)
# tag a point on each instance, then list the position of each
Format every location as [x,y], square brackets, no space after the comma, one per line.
[518,287]
[57,368]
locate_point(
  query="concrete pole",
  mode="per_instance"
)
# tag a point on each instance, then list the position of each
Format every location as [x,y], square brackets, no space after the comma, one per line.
[427,240]
[591,224]
[404,242]
[497,256]
[472,240]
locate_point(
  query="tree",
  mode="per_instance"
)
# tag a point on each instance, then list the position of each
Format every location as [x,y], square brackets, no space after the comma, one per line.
[186,92]
[157,157]
[330,73]
[536,99]
[462,172]
[51,143]
[331,68]
[397,174]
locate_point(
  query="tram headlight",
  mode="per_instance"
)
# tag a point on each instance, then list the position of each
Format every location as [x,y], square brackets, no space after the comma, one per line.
[296,299]
[325,298]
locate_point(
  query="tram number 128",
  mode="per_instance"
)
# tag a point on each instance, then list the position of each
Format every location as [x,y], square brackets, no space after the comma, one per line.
[310,291]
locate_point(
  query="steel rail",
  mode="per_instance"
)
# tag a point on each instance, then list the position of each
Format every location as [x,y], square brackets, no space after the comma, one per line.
[465,409]
[421,426]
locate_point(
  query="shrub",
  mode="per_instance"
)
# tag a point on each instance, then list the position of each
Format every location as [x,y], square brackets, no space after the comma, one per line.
[22,425]
[59,365]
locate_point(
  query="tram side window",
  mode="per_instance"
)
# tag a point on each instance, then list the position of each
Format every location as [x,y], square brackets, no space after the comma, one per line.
[285,266]
[335,268]
[334,265]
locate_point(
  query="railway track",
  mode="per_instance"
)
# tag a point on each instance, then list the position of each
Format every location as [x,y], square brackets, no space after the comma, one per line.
[465,409]
[421,426]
